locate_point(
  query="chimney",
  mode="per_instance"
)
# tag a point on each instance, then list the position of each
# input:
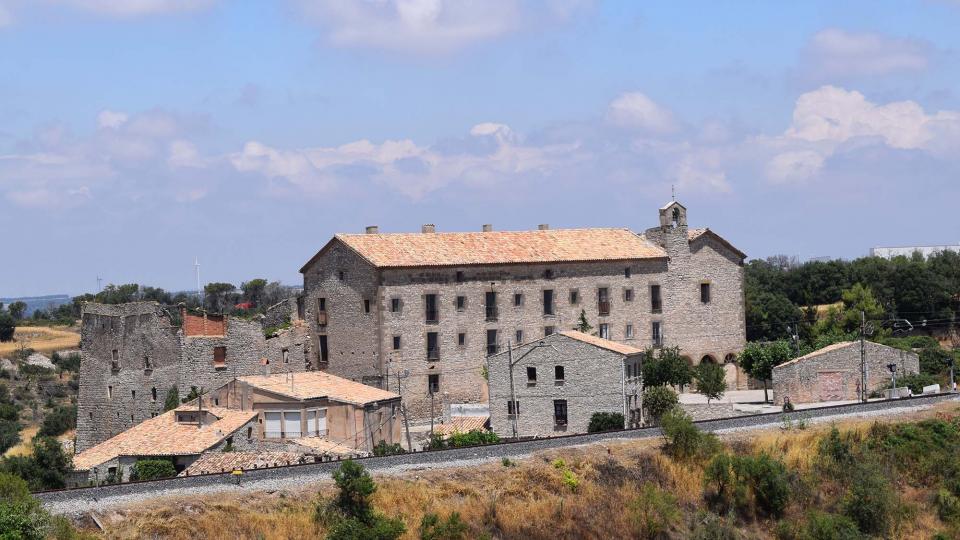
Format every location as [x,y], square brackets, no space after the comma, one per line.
[544,226]
[487,227]
[428,228]
[373,229]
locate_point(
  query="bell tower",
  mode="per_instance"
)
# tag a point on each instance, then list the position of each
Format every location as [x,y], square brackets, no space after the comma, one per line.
[673,215]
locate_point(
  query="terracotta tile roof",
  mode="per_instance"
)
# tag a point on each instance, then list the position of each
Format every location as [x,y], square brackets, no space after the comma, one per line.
[602,343]
[818,352]
[462,424]
[693,234]
[404,250]
[215,462]
[317,384]
[164,436]
[326,446]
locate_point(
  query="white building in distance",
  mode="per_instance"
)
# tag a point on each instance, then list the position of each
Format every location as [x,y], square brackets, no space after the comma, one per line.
[908,251]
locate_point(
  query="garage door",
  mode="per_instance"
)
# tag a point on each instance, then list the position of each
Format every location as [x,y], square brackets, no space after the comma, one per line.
[291,424]
[830,386]
[272,425]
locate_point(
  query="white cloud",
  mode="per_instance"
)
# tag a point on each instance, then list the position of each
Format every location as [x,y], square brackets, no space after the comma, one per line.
[794,166]
[636,110]
[111,119]
[834,53]
[136,8]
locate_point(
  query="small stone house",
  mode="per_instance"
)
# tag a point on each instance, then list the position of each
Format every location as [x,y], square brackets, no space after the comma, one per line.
[559,382]
[833,372]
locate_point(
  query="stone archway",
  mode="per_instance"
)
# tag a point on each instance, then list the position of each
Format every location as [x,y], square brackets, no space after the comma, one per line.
[731,372]
[709,359]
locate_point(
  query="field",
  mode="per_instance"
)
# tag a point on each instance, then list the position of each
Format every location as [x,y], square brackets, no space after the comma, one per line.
[626,489]
[42,339]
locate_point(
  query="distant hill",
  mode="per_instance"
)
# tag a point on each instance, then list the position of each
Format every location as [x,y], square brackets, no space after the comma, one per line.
[34,303]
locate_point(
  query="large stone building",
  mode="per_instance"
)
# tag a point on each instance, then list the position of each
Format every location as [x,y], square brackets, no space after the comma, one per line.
[558,382]
[431,306]
[132,354]
[833,372]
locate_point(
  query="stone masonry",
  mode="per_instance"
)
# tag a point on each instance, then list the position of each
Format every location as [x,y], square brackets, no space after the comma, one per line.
[833,372]
[132,354]
[372,326]
[592,381]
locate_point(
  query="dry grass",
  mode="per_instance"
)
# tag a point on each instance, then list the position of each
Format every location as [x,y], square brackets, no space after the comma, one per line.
[25,448]
[528,500]
[41,339]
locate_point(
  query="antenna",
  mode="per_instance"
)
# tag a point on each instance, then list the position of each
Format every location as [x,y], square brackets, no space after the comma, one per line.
[196,266]
[99,281]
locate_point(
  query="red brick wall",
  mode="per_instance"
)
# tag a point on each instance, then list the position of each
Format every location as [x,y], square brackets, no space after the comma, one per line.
[209,325]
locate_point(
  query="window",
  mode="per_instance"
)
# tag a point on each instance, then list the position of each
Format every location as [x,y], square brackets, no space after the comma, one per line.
[300,307]
[115,360]
[394,305]
[273,425]
[548,330]
[657,334]
[133,394]
[491,305]
[531,375]
[219,357]
[324,351]
[433,346]
[462,339]
[341,275]
[558,373]
[153,394]
[560,412]
[396,343]
[705,293]
[574,297]
[656,303]
[431,312]
[513,408]
[459,276]
[626,272]
[291,423]
[628,333]
[433,383]
[109,392]
[517,299]
[548,273]
[604,330]
[519,336]
[286,355]
[146,363]
[492,347]
[603,301]
[461,303]
[548,302]
[249,433]
[366,305]
[628,295]
[322,311]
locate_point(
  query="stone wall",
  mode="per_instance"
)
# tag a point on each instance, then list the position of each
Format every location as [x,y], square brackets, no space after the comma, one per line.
[592,383]
[833,373]
[154,355]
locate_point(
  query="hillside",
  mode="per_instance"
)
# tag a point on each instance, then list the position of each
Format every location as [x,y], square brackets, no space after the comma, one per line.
[897,477]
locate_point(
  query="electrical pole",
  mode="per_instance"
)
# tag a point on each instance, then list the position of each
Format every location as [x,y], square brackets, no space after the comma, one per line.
[403,406]
[863,357]
[196,266]
[513,395]
[99,281]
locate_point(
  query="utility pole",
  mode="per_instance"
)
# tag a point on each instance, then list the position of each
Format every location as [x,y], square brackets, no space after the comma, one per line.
[403,406]
[431,413]
[863,356]
[513,395]
[196,266]
[99,281]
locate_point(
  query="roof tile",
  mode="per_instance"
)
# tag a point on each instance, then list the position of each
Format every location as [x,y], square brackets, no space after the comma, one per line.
[318,384]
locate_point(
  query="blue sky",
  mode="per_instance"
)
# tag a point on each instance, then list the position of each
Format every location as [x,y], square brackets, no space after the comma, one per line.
[137,135]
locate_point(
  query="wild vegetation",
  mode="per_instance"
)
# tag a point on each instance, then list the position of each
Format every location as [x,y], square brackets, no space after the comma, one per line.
[859,479]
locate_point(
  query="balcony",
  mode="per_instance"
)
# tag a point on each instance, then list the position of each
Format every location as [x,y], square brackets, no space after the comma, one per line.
[321,318]
[603,306]
[492,349]
[433,353]
[492,313]
[432,316]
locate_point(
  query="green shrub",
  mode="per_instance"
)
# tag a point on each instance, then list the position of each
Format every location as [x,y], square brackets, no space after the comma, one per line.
[173,399]
[604,421]
[653,512]
[9,412]
[870,500]
[684,439]
[384,449]
[473,437]
[762,482]
[9,435]
[570,480]
[934,359]
[434,528]
[152,469]
[916,381]
[823,526]
[59,421]
[948,505]
[658,400]
[21,516]
[718,482]
[350,515]
[713,527]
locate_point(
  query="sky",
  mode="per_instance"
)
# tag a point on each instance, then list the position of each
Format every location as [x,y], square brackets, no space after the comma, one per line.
[138,136]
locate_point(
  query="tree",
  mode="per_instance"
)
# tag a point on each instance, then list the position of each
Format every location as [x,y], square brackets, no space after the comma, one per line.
[602,421]
[351,515]
[666,367]
[253,290]
[173,399]
[21,516]
[759,359]
[7,327]
[17,310]
[582,324]
[152,469]
[59,421]
[216,295]
[658,400]
[711,380]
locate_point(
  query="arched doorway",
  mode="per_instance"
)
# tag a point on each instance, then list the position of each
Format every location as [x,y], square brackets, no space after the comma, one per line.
[708,359]
[731,372]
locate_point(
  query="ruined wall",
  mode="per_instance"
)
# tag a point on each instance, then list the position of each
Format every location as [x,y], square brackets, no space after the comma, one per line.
[592,383]
[147,346]
[833,373]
